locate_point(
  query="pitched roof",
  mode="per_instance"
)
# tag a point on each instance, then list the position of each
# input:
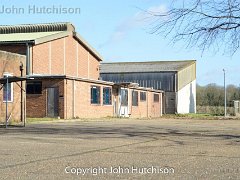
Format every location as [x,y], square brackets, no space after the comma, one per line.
[148,66]
[40,33]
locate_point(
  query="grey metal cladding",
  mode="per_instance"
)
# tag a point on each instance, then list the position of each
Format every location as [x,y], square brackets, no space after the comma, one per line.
[161,80]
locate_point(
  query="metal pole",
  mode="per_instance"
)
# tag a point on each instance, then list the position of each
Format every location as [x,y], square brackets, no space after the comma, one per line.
[21,70]
[225,94]
[25,112]
[7,101]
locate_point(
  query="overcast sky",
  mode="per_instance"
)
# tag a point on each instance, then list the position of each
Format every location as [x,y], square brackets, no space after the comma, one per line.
[119,32]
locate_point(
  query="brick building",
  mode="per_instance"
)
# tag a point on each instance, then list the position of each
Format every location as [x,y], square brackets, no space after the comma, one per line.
[62,76]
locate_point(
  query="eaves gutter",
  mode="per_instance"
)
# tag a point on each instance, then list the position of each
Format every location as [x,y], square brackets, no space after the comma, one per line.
[128,72]
[17,42]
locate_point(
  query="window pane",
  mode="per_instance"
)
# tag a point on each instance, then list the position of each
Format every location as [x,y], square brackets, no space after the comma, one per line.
[143,96]
[95,95]
[156,97]
[7,94]
[135,98]
[107,96]
[34,87]
[124,97]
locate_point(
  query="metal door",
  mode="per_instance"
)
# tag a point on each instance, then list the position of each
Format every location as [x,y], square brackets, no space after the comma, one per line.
[123,109]
[52,102]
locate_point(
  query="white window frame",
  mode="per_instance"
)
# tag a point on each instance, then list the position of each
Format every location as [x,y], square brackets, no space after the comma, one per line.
[11,86]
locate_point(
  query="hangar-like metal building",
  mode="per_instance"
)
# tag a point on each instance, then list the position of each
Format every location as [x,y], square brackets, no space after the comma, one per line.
[176,78]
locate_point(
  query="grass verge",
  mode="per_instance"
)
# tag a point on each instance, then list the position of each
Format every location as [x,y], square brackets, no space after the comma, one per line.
[199,116]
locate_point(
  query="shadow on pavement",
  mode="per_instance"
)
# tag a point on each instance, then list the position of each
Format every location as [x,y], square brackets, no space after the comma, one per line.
[93,131]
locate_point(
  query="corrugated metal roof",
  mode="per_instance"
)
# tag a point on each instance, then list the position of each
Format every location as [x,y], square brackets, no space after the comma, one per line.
[30,28]
[149,66]
[22,37]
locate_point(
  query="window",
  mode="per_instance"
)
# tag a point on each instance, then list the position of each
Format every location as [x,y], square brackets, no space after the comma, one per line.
[107,96]
[142,96]
[34,87]
[8,92]
[95,95]
[156,97]
[124,97]
[135,98]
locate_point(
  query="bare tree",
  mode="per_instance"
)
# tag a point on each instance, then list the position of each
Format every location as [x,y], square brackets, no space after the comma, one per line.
[202,23]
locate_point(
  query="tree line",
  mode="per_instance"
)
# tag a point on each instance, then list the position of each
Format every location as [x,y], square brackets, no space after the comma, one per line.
[213,95]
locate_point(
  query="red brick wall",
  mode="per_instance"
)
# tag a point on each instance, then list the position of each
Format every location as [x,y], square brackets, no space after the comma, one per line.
[57,56]
[71,104]
[64,56]
[41,59]
[83,107]
[68,97]
[71,56]
[37,103]
[82,62]
[94,68]
[10,62]
[147,108]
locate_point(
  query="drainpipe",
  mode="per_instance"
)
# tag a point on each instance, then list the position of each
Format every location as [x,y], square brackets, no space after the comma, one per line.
[27,73]
[27,59]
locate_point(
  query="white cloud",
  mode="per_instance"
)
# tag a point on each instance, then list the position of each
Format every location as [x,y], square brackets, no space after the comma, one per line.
[140,19]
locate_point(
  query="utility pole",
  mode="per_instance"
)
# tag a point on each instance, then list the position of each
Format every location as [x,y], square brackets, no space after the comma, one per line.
[225,94]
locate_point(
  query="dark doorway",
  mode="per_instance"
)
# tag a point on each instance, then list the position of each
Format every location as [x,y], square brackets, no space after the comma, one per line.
[170,102]
[52,102]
